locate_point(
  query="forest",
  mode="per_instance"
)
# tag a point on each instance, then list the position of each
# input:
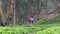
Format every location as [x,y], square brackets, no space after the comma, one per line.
[16,16]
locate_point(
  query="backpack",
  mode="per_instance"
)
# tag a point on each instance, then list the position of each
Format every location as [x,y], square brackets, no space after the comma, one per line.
[31,19]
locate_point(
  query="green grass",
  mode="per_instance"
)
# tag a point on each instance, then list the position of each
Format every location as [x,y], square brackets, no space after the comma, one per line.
[51,26]
[52,30]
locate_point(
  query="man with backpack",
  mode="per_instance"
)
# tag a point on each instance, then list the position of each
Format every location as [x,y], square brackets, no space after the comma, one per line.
[31,20]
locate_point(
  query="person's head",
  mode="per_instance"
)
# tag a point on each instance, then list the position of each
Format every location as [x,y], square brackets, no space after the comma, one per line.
[31,16]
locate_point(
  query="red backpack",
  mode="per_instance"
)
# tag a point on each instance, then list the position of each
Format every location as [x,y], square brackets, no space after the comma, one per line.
[28,19]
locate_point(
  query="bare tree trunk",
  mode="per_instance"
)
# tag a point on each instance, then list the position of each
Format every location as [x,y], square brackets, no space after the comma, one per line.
[45,8]
[9,14]
[0,9]
[1,22]
[56,6]
[14,13]
[13,9]
[39,9]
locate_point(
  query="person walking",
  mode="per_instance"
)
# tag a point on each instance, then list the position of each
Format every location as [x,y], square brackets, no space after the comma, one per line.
[31,20]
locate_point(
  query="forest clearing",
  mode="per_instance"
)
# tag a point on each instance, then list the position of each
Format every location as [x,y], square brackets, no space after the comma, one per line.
[29,16]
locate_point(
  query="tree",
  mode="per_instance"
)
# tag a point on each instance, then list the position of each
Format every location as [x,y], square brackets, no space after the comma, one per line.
[1,22]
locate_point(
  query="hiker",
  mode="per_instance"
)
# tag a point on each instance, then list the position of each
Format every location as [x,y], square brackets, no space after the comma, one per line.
[31,20]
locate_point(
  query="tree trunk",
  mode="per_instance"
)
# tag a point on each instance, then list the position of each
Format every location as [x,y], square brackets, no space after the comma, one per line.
[45,8]
[13,10]
[1,22]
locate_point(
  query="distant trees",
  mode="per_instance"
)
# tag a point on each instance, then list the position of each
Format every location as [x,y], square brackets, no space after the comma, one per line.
[28,8]
[21,9]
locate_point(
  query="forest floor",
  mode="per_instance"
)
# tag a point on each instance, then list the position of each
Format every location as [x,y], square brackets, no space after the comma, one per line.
[51,26]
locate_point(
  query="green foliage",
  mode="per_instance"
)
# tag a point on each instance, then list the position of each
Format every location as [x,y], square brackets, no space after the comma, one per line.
[19,30]
[51,26]
[13,30]
[53,30]
[50,21]
[53,20]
